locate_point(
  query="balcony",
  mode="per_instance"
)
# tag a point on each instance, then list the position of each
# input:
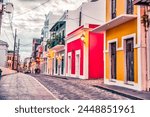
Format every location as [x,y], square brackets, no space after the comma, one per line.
[142,2]
[56,43]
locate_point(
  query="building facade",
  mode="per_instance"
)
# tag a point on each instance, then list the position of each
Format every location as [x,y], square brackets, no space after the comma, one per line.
[56,45]
[145,36]
[122,45]
[3,53]
[35,54]
[84,53]
[50,20]
[70,21]
[10,60]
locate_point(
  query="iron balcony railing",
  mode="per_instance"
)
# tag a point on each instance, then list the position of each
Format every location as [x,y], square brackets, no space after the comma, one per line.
[55,41]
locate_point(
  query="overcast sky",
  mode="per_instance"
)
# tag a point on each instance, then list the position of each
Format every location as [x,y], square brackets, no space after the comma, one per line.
[29,23]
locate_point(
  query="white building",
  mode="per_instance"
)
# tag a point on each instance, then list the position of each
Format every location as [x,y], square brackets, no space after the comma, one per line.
[91,12]
[50,20]
[3,53]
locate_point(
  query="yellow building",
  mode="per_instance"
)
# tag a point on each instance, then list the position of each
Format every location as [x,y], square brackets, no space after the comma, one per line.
[123,48]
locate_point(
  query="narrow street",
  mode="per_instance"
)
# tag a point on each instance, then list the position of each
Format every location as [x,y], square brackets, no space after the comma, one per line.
[19,86]
[42,87]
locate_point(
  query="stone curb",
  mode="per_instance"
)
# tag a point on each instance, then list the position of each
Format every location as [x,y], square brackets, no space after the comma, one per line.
[119,93]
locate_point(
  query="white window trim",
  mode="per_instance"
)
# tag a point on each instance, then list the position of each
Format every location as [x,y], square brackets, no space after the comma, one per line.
[62,55]
[124,38]
[109,50]
[77,53]
[69,64]
[133,35]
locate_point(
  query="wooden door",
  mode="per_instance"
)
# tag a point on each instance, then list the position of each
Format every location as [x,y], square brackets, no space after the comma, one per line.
[130,59]
[113,60]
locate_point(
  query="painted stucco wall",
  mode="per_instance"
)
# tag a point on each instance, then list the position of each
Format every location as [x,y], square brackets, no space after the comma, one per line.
[96,61]
[72,47]
[117,33]
[120,8]
[89,16]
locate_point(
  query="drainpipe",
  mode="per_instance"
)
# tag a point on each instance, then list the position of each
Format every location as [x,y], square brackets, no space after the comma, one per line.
[146,25]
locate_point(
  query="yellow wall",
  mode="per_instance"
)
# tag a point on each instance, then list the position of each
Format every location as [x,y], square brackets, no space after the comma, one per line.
[120,8]
[118,32]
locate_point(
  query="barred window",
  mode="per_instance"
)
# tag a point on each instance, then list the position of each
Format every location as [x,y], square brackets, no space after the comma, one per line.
[113,9]
[129,6]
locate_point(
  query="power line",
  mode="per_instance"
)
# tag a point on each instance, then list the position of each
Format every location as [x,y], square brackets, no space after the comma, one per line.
[92,17]
[11,26]
[33,8]
[25,44]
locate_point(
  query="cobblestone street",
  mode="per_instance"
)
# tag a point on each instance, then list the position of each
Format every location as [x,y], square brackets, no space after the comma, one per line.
[75,89]
[18,86]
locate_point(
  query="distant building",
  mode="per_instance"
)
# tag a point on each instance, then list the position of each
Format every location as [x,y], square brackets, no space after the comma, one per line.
[35,44]
[69,22]
[50,19]
[3,53]
[10,60]
[27,63]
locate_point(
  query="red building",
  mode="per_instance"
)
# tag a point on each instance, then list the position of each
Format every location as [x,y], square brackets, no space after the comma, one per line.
[84,53]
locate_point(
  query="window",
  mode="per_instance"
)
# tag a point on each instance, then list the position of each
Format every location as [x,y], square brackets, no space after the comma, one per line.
[113,9]
[129,6]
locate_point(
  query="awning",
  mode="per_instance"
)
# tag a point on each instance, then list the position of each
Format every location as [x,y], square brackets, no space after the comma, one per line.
[115,22]
[142,2]
[58,47]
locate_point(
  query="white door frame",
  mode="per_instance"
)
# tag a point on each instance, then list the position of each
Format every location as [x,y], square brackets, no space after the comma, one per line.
[77,63]
[69,63]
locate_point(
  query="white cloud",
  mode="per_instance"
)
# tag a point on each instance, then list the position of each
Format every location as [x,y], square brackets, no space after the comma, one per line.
[29,23]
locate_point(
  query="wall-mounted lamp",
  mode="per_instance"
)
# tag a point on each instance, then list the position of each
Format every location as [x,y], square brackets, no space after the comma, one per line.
[83,38]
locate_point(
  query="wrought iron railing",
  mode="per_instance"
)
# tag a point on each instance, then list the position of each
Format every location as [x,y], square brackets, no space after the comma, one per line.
[55,41]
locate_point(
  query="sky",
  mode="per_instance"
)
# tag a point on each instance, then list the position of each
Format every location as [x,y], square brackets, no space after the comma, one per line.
[30,22]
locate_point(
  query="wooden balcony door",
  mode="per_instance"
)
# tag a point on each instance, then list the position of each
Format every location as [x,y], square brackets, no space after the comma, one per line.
[130,59]
[113,60]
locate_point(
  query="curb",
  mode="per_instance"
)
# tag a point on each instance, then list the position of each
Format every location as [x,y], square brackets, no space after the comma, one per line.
[119,93]
[9,74]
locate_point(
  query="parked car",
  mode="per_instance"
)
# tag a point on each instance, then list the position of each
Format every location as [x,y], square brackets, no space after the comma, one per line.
[27,71]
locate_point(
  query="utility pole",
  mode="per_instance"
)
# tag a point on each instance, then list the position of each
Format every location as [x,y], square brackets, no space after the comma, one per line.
[14,52]
[18,54]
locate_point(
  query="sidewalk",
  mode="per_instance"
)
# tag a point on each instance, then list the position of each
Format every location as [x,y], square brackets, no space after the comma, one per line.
[23,87]
[133,94]
[6,71]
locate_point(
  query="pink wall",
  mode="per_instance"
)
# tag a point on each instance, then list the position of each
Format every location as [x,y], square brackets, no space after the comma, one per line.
[72,47]
[96,62]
